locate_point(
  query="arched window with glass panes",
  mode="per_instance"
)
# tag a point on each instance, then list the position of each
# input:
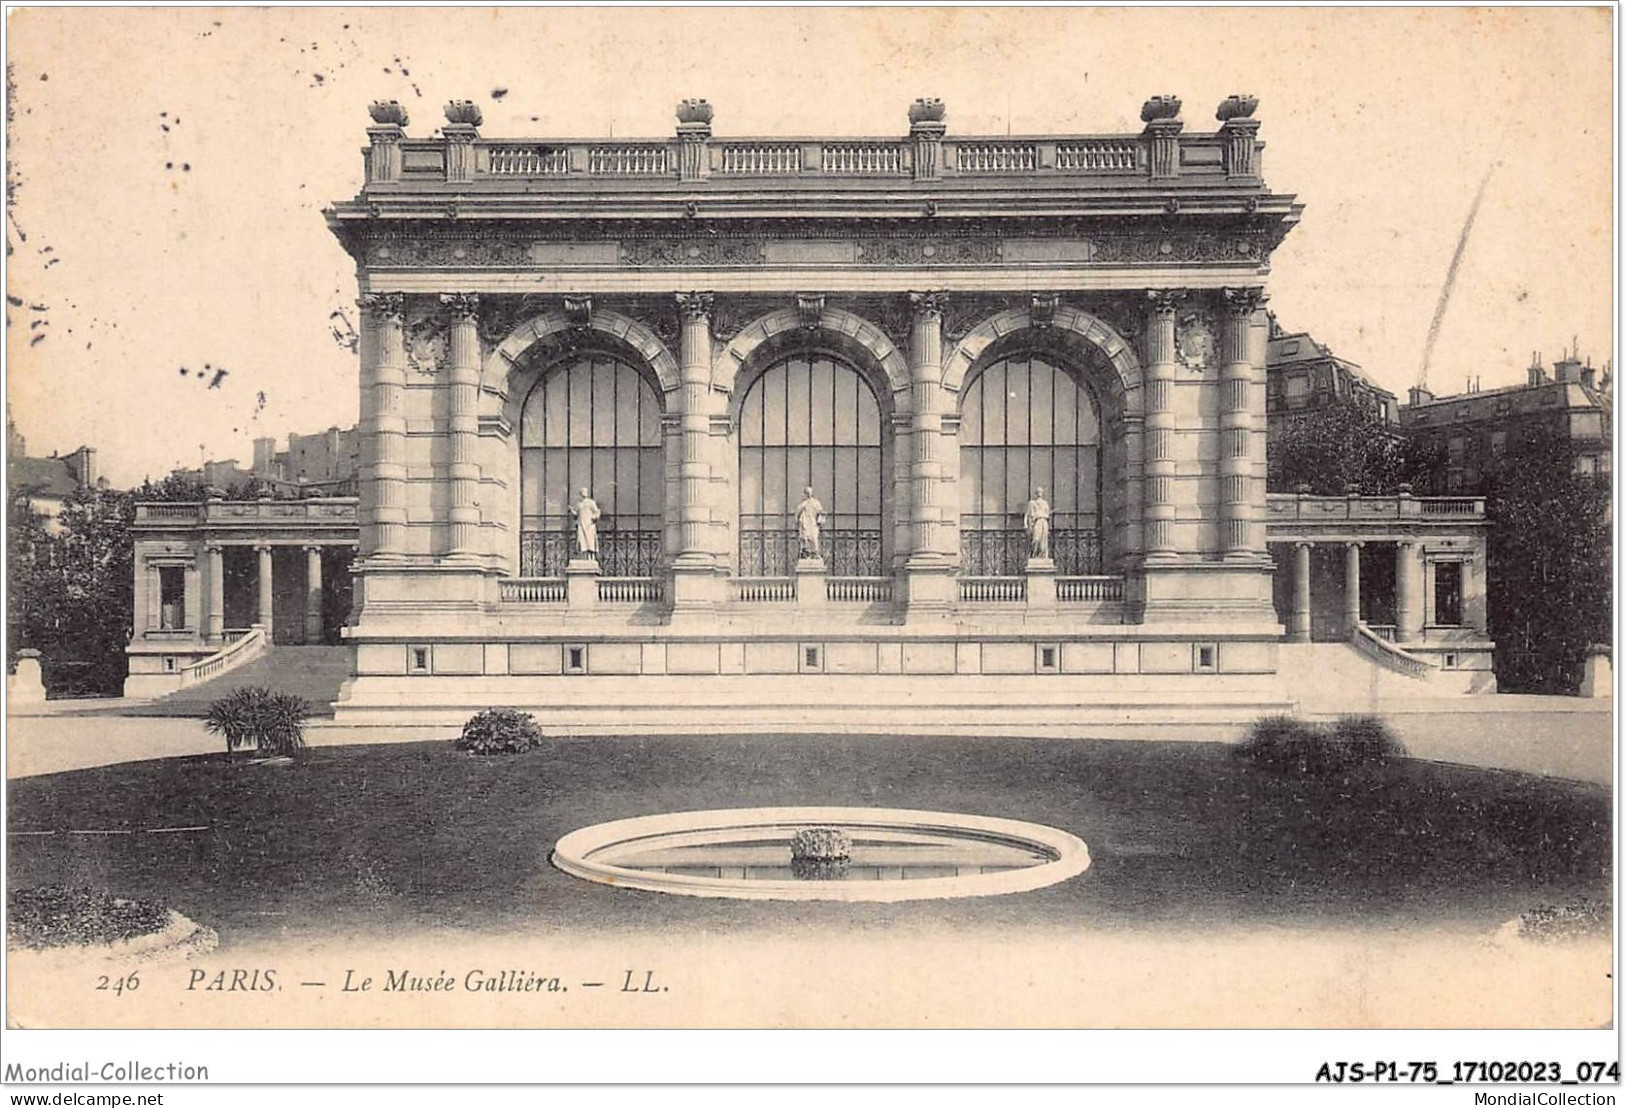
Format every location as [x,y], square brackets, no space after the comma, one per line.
[810,421]
[592,423]
[1026,424]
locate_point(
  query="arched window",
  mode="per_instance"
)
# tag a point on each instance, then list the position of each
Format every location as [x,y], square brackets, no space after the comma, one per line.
[1025,424]
[593,423]
[810,421]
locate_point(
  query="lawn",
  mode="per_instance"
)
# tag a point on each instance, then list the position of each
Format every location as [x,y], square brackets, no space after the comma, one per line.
[385,839]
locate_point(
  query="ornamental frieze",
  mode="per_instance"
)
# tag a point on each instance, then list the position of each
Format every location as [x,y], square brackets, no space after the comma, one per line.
[444,252]
[914,251]
[681,252]
[1240,246]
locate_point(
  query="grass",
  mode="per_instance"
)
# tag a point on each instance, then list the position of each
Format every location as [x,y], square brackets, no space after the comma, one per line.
[55,915]
[376,839]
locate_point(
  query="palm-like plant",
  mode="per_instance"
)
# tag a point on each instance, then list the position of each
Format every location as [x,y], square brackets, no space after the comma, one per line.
[272,722]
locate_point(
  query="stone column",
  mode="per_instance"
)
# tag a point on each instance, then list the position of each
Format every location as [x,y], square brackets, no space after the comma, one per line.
[313,594]
[1298,626]
[1236,425]
[1408,601]
[215,613]
[694,569]
[1351,587]
[383,374]
[1160,545]
[930,587]
[463,417]
[264,607]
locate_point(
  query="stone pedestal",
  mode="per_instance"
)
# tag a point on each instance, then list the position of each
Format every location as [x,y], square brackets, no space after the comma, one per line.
[810,593]
[27,686]
[696,587]
[1598,682]
[1040,584]
[581,583]
[931,590]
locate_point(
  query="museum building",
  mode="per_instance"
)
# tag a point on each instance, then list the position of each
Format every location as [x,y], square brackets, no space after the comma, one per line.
[815,393]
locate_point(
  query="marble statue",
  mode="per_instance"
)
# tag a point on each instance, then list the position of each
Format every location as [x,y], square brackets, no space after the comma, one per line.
[586,512]
[1037,524]
[809,519]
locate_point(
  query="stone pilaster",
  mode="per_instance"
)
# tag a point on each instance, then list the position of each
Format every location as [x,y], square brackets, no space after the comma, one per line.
[215,612]
[1236,469]
[930,586]
[313,594]
[384,153]
[383,382]
[926,129]
[1162,136]
[694,580]
[1240,148]
[463,416]
[1160,470]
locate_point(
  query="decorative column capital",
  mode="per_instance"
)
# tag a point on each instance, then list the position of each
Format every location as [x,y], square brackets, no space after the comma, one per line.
[810,305]
[928,304]
[578,310]
[694,305]
[464,306]
[312,548]
[1042,309]
[213,548]
[386,307]
[1243,302]
[262,548]
[1165,302]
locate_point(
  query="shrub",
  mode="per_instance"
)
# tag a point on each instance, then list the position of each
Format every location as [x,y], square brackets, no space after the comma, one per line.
[271,722]
[1292,745]
[499,731]
[59,915]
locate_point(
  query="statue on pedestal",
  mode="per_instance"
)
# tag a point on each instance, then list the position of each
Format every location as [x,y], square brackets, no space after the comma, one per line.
[1037,524]
[586,511]
[809,519]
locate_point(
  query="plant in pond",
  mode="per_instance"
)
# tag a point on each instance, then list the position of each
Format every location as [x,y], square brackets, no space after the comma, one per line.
[499,731]
[60,915]
[820,854]
[271,722]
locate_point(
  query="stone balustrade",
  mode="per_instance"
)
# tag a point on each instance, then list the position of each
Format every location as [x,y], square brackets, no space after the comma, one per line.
[1302,508]
[332,510]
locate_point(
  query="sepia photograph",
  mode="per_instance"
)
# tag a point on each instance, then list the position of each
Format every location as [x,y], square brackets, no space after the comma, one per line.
[821,518]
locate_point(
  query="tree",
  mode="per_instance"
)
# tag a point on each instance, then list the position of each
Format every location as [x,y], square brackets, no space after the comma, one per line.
[1341,445]
[71,594]
[1550,565]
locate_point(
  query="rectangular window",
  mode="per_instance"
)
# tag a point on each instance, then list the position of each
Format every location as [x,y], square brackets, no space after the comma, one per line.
[417,659]
[1207,658]
[1049,659]
[1447,594]
[575,659]
[171,598]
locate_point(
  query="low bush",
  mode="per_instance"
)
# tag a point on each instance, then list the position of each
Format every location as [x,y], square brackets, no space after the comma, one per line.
[273,723]
[499,731]
[1290,745]
[59,915]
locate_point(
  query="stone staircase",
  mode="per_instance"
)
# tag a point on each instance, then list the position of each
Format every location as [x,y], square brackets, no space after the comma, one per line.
[313,672]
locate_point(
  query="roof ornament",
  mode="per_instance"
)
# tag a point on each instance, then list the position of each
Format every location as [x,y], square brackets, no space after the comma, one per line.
[694,111]
[1160,107]
[387,113]
[464,113]
[1236,106]
[927,109]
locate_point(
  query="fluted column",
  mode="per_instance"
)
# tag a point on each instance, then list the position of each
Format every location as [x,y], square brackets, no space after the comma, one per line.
[926,541]
[1160,545]
[693,570]
[383,378]
[1351,587]
[1299,622]
[1236,425]
[263,609]
[463,417]
[215,613]
[313,594]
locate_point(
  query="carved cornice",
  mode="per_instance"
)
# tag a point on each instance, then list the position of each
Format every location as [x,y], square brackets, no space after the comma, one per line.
[692,251]
[929,251]
[385,307]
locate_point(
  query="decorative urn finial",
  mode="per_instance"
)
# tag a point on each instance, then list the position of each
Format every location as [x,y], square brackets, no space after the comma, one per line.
[694,111]
[464,113]
[1159,107]
[927,109]
[387,112]
[1237,106]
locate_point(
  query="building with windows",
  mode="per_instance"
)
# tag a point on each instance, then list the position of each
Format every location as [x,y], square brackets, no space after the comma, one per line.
[1304,377]
[1474,433]
[46,483]
[817,389]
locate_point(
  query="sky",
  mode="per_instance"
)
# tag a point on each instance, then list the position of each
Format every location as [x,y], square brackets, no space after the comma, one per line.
[169,168]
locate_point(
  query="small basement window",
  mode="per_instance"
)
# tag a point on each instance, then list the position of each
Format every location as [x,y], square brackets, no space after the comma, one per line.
[417,659]
[575,659]
[1207,657]
[1048,659]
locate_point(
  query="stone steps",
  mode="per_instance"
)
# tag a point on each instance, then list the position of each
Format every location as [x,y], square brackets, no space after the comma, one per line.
[316,673]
